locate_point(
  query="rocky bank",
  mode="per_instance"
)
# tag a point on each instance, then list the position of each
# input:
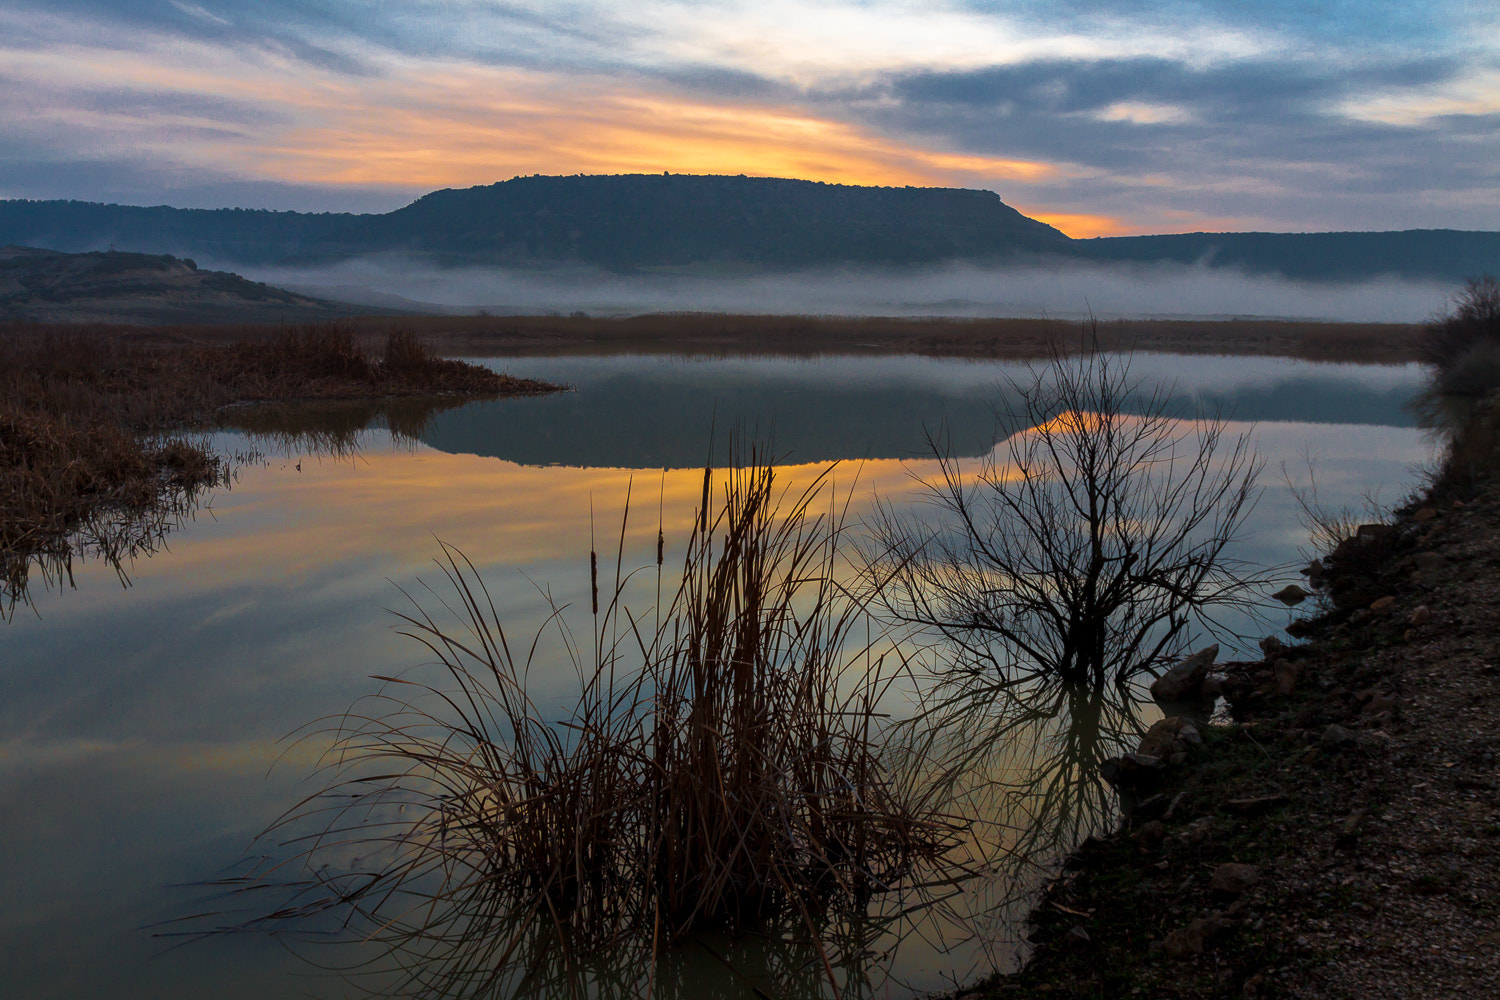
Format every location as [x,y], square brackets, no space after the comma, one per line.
[1336,832]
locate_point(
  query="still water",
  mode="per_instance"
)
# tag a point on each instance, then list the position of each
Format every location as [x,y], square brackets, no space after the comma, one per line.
[142,727]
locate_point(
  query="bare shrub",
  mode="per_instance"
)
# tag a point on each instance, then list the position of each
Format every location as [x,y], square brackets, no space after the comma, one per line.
[1089,545]
[1473,320]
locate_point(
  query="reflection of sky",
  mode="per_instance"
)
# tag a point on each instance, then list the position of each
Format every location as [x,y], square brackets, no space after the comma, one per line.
[139,725]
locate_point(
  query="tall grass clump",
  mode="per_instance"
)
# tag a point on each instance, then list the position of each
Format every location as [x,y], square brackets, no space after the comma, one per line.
[721,769]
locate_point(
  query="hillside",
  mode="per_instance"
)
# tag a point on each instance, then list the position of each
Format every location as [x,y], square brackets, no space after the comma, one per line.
[48,286]
[646,221]
[642,223]
[1440,254]
[622,223]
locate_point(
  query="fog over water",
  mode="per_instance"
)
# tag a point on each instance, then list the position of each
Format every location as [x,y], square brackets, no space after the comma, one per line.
[1067,291]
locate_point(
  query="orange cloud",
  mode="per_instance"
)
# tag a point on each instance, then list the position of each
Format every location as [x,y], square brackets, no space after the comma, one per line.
[422,124]
[1079,226]
[463,137]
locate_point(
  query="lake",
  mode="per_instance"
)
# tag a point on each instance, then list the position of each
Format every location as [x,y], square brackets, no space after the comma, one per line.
[142,733]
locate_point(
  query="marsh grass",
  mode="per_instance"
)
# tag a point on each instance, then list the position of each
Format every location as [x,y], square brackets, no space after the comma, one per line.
[722,768]
[92,455]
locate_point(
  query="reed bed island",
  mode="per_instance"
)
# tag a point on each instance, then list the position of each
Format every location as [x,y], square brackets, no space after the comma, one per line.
[97,451]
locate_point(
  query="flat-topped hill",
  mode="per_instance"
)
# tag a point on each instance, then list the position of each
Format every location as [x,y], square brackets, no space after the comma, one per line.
[622,223]
[717,225]
[650,221]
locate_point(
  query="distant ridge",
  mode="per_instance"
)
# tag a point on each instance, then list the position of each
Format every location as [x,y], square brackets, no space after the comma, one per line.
[622,223]
[114,287]
[635,223]
[1440,254]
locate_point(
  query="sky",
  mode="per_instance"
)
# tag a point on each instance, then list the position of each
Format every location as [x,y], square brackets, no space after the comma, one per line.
[1106,117]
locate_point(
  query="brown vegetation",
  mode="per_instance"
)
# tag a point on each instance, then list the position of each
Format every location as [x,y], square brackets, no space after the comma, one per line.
[720,333]
[90,445]
[977,338]
[722,768]
[1339,838]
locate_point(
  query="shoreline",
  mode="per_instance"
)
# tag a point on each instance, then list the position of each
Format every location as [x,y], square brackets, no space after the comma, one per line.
[97,444]
[724,333]
[1341,836]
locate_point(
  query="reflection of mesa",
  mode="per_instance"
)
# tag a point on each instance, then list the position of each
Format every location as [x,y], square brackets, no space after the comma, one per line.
[651,412]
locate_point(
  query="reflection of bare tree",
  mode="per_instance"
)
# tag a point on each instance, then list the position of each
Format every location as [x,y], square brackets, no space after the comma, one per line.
[1022,761]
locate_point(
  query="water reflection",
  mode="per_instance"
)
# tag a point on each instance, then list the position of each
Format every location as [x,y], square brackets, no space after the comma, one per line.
[336,427]
[656,412]
[1023,761]
[115,536]
[138,726]
[118,536]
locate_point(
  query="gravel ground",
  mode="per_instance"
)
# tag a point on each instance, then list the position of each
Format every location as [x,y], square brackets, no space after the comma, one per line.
[1339,837]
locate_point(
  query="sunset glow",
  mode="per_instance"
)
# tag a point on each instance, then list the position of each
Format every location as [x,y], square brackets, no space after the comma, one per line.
[1104,122]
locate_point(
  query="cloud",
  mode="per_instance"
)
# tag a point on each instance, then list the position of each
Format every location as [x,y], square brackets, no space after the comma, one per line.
[1119,115]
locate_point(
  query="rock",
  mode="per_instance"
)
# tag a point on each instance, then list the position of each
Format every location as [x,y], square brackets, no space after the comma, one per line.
[1291,594]
[1213,686]
[1428,562]
[1189,940]
[1359,615]
[1272,646]
[1300,628]
[1345,547]
[1365,532]
[1349,832]
[1420,615]
[1150,835]
[1169,736]
[1185,679]
[1198,830]
[1234,878]
[1313,569]
[1425,514]
[1076,937]
[1378,704]
[1286,677]
[1255,805]
[1336,737]
[1132,770]
[1382,605]
[1149,807]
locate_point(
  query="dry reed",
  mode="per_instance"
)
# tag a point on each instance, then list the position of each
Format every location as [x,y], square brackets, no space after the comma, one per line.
[721,768]
[87,458]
